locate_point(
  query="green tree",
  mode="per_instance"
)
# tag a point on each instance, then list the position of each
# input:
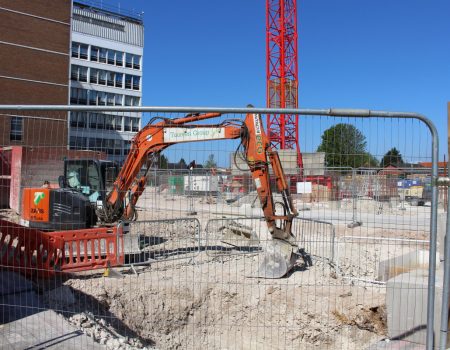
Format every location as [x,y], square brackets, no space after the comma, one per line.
[345,146]
[210,162]
[163,161]
[392,157]
[182,164]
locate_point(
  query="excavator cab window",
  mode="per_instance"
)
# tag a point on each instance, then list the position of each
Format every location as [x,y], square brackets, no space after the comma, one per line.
[84,176]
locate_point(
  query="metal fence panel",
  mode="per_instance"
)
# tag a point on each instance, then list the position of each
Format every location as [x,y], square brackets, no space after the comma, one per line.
[182,273]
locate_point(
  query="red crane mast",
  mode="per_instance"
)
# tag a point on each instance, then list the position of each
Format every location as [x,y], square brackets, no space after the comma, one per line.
[282,74]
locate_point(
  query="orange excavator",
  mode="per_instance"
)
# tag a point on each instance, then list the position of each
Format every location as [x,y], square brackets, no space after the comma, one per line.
[92,202]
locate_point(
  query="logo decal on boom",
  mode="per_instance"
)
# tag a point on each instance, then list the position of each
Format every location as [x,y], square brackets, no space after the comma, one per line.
[258,132]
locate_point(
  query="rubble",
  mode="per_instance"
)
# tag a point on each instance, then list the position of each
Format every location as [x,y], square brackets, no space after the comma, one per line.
[102,332]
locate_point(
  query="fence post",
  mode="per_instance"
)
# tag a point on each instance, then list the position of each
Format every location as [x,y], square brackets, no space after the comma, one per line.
[446,262]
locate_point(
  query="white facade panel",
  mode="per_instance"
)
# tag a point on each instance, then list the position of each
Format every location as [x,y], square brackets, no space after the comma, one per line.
[107,27]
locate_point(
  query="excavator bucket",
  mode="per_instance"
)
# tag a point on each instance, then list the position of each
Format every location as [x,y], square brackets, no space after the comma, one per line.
[278,259]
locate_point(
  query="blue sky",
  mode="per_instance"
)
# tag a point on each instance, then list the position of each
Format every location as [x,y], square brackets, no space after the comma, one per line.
[385,54]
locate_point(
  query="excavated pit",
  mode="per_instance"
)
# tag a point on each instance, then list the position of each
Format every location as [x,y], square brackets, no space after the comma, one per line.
[211,304]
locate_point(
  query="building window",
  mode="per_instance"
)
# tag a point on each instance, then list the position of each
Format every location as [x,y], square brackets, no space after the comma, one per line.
[117,122]
[136,82]
[16,132]
[103,54]
[77,142]
[127,147]
[96,98]
[78,119]
[111,146]
[132,61]
[102,98]
[118,100]
[128,81]
[93,76]
[96,144]
[117,147]
[129,60]
[97,121]
[119,78]
[109,56]
[80,50]
[94,53]
[132,82]
[127,124]
[131,124]
[132,100]
[78,73]
[110,99]
[110,78]
[78,96]
[93,96]
[119,58]
[109,122]
[93,121]
[137,62]
[103,77]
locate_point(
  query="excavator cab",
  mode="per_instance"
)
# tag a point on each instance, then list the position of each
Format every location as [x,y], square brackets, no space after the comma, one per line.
[93,178]
[83,187]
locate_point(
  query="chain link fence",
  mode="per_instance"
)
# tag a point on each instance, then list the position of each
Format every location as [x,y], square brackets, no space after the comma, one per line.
[182,270]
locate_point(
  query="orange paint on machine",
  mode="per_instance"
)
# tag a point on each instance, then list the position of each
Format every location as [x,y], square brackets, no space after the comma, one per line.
[36,204]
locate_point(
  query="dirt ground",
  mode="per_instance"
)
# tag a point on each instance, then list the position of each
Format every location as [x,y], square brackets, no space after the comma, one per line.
[211,303]
[199,293]
[210,299]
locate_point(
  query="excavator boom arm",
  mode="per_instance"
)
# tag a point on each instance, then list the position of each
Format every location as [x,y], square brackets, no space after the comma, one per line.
[156,137]
[151,140]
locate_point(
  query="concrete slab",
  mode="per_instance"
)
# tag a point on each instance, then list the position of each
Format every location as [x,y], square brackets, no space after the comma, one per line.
[406,303]
[44,330]
[398,265]
[396,345]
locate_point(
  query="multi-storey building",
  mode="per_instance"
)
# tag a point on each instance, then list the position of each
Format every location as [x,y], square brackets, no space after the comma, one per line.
[105,70]
[34,61]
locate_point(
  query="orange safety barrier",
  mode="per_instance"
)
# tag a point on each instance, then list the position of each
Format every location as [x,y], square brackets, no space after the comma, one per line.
[42,254]
[29,251]
[90,249]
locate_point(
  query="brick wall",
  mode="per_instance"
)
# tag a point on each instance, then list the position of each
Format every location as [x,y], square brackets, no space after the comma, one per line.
[29,73]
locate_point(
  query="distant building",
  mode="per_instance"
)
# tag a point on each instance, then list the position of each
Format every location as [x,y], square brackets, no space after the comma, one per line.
[106,70]
[442,167]
[313,163]
[392,170]
[34,61]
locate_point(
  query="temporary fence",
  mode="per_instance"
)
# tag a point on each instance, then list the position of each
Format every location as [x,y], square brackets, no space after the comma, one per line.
[171,258]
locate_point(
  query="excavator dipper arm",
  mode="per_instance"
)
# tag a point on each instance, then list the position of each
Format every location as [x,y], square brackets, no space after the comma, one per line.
[256,151]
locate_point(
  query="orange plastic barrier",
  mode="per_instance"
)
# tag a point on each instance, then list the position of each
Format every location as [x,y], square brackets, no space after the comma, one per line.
[29,251]
[42,254]
[90,249]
